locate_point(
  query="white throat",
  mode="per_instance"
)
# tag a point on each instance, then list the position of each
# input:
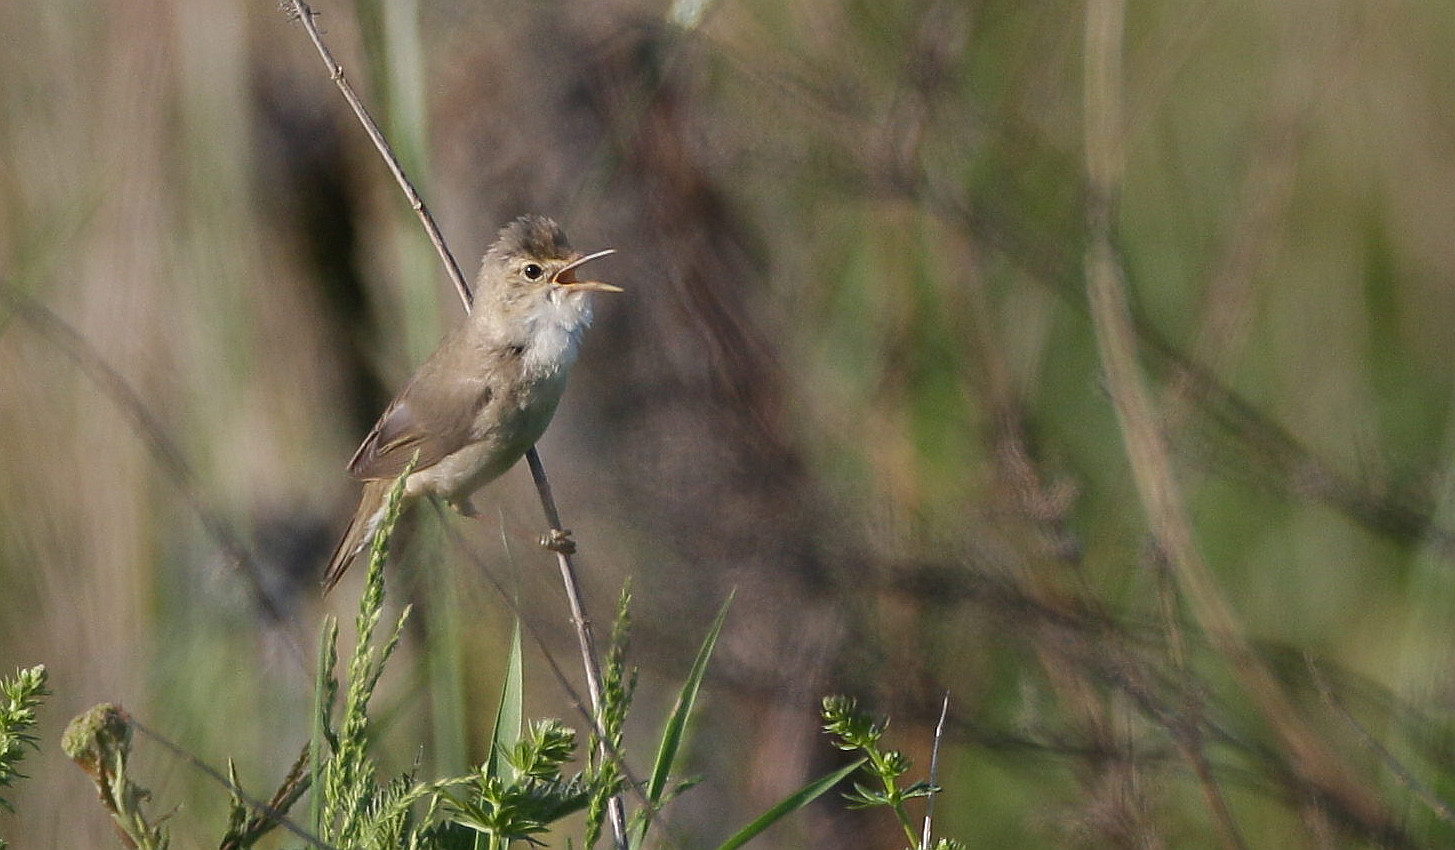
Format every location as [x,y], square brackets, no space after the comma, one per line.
[554,332]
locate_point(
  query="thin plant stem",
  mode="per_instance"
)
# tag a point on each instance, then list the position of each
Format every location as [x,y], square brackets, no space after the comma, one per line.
[616,811]
[1436,804]
[304,14]
[934,774]
[584,635]
[218,777]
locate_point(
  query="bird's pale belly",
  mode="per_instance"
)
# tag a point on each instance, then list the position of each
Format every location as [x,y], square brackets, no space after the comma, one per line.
[459,474]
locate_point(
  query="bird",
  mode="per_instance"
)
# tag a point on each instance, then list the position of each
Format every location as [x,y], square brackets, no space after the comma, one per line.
[487,393]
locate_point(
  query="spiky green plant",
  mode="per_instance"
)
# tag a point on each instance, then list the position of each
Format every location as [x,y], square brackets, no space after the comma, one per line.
[517,794]
[20,696]
[534,795]
[351,808]
[856,730]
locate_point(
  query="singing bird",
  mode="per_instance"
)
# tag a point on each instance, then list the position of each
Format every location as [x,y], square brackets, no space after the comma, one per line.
[487,393]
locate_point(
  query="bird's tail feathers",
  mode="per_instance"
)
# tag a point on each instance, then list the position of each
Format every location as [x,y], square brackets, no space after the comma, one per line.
[360,531]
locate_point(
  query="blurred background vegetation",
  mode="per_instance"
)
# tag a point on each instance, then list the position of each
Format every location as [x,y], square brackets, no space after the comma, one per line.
[854,378]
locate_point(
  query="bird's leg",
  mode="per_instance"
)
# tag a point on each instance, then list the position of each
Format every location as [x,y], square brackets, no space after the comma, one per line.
[559,540]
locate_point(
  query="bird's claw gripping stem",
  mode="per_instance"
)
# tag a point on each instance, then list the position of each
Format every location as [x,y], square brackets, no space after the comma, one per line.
[559,540]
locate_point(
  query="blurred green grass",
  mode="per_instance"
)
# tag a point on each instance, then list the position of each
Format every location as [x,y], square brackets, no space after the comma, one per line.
[853,376]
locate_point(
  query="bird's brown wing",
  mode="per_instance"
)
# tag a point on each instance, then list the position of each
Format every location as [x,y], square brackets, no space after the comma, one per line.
[454,403]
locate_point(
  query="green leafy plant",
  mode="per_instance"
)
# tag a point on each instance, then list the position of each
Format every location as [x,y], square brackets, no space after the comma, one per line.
[534,794]
[857,730]
[519,793]
[20,696]
[674,732]
[350,807]
[618,687]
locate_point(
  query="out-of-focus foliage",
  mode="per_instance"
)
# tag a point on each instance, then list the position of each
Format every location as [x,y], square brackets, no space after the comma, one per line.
[853,378]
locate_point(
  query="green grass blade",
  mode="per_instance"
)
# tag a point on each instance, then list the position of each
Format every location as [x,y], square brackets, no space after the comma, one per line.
[792,803]
[509,716]
[676,726]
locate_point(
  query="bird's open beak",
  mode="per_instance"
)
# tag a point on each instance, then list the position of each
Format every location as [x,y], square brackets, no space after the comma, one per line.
[566,277]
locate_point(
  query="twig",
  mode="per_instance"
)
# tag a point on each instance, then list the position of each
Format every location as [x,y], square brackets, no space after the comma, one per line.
[304,14]
[924,842]
[584,637]
[568,577]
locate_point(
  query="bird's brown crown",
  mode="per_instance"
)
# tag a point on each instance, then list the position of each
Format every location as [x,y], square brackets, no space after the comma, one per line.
[533,236]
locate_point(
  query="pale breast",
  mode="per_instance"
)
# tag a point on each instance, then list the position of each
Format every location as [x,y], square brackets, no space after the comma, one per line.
[556,328]
[520,406]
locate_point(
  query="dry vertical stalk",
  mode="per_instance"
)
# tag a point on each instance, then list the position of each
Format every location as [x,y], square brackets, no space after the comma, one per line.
[926,835]
[1146,447]
[584,637]
[301,12]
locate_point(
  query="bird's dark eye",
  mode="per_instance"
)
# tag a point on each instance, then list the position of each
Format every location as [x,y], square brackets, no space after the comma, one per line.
[533,271]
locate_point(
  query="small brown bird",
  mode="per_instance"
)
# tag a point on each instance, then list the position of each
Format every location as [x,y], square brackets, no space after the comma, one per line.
[487,393]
